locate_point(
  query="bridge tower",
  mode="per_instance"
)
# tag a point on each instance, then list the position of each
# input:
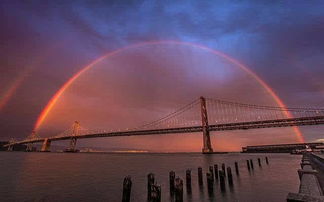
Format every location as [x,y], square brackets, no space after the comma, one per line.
[32,136]
[11,147]
[75,133]
[207,148]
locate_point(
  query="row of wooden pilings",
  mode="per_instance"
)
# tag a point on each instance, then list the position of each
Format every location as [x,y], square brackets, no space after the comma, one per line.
[176,183]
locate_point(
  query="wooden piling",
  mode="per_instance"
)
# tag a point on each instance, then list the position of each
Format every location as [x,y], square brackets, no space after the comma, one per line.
[200,176]
[211,171]
[248,164]
[210,182]
[171,181]
[188,180]
[259,161]
[251,162]
[178,190]
[267,160]
[216,171]
[222,180]
[155,193]
[236,168]
[150,182]
[127,187]
[229,176]
[224,169]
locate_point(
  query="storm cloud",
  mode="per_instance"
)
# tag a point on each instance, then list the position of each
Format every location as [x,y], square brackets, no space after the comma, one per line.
[45,43]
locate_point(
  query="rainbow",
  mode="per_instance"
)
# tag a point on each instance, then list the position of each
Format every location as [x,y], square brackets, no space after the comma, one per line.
[11,90]
[4,99]
[58,94]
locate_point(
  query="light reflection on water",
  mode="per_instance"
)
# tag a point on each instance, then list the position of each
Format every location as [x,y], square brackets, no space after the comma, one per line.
[99,177]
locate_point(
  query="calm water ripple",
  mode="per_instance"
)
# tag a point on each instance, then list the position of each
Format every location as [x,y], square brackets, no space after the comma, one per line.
[99,177]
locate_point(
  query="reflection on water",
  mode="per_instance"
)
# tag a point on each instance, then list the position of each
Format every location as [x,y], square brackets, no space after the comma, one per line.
[99,177]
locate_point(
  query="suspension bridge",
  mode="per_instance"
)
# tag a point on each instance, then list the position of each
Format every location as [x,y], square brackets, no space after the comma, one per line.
[193,118]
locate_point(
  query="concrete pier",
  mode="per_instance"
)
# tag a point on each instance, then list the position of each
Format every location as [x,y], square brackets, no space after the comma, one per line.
[317,162]
[309,189]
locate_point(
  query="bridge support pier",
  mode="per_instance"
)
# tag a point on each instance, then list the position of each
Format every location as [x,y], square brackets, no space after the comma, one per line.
[207,148]
[46,145]
[73,142]
[10,148]
[29,147]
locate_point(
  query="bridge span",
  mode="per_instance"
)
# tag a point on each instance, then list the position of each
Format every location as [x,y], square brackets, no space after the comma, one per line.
[242,116]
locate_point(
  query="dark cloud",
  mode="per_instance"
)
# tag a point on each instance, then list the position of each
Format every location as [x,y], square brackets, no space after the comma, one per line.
[49,41]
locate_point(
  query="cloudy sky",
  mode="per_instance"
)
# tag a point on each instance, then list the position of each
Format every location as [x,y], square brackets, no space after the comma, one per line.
[43,44]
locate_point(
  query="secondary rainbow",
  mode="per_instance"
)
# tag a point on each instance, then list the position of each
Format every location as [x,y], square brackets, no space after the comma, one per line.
[57,95]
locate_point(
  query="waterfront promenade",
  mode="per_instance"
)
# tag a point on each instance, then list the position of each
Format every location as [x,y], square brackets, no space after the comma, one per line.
[311,177]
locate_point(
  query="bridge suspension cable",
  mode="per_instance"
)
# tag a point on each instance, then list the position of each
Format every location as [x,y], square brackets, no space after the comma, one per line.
[201,115]
[221,111]
[173,119]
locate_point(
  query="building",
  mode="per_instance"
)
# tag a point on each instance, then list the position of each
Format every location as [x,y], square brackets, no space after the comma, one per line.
[279,148]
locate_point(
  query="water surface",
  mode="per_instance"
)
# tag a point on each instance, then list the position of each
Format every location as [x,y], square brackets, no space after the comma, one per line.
[99,177]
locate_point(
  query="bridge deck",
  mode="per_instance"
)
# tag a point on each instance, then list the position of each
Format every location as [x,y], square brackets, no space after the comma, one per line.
[316,120]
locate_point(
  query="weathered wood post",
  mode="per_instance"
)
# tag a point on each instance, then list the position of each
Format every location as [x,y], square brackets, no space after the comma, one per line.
[224,169]
[188,181]
[216,171]
[222,180]
[127,187]
[259,161]
[248,164]
[210,182]
[150,183]
[211,171]
[178,190]
[200,176]
[155,193]
[267,160]
[251,162]
[229,176]
[171,179]
[236,168]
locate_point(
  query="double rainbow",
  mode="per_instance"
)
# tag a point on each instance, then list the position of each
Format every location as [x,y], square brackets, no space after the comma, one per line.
[58,94]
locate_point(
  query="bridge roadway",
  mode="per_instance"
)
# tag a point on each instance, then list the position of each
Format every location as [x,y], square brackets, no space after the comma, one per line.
[315,120]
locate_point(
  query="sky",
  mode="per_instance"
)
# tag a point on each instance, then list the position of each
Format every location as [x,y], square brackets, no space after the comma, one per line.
[44,43]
